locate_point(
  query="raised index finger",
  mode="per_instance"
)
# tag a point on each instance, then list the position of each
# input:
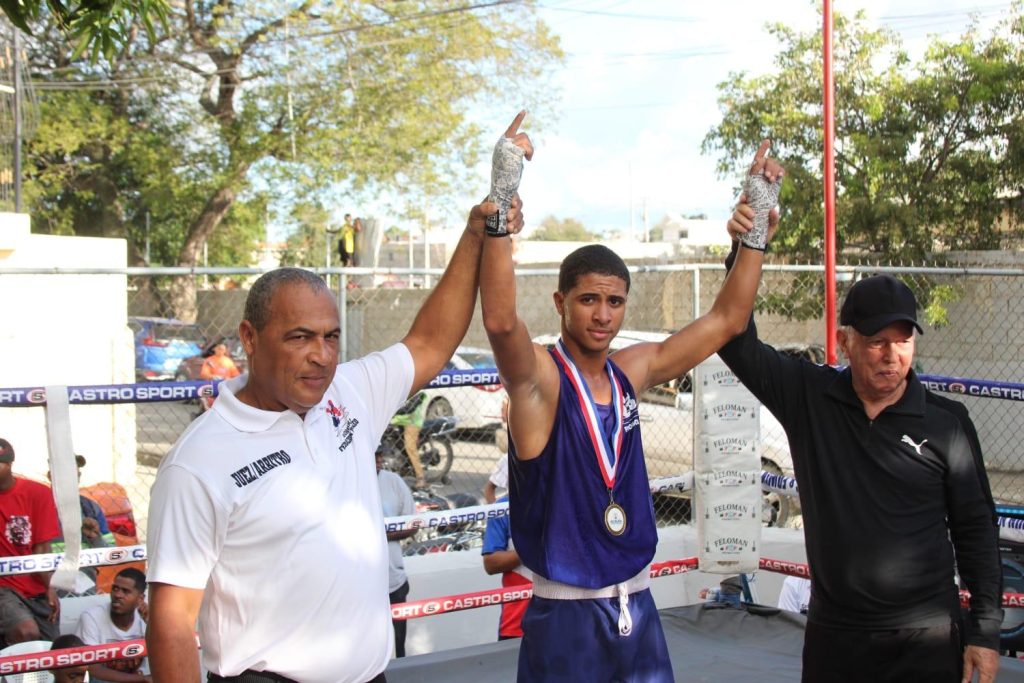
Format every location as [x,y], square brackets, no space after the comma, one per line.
[759,158]
[514,126]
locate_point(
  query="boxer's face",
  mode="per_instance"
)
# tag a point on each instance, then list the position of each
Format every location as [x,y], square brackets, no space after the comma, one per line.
[293,358]
[593,310]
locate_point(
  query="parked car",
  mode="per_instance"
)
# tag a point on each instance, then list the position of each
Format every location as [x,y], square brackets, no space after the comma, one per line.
[161,344]
[190,367]
[476,407]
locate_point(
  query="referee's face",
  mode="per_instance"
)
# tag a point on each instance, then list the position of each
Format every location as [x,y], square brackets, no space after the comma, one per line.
[293,358]
[879,362]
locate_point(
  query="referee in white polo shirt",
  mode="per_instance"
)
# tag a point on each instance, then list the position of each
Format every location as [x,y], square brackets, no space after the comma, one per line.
[266,520]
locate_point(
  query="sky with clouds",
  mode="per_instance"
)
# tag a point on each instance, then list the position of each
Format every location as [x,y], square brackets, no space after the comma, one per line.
[638,95]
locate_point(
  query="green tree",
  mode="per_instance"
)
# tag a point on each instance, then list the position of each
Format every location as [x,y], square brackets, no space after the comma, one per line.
[295,100]
[309,238]
[99,27]
[562,230]
[925,155]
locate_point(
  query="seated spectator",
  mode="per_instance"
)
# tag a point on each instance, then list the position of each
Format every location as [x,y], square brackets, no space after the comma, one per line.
[29,608]
[71,674]
[219,364]
[95,534]
[123,619]
[95,531]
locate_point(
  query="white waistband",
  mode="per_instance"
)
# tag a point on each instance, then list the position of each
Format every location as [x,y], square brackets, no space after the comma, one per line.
[555,590]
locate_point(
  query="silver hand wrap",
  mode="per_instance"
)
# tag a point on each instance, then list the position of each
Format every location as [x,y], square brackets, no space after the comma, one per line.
[762,196]
[506,170]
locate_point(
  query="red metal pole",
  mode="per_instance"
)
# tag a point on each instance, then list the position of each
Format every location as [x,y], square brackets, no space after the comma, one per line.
[830,186]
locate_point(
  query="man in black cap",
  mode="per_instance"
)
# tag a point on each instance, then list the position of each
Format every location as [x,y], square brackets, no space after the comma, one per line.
[894,495]
[29,609]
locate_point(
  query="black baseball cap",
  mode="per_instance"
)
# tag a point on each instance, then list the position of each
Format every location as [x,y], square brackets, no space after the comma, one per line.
[6,451]
[876,302]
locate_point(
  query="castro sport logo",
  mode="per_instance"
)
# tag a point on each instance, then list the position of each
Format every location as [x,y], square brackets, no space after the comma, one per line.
[133,650]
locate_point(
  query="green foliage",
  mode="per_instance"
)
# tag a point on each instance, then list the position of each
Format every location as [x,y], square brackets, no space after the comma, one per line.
[309,239]
[227,102]
[562,230]
[936,314]
[96,27]
[925,155]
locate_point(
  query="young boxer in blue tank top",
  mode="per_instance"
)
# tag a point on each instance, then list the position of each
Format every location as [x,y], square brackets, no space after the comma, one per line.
[579,502]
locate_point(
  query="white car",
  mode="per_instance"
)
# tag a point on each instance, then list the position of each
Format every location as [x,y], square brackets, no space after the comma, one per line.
[476,407]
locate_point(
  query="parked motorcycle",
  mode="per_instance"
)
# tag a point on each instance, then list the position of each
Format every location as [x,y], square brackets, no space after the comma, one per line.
[435,449]
[444,538]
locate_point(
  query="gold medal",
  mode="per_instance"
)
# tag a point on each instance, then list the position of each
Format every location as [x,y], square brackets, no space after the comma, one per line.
[614,519]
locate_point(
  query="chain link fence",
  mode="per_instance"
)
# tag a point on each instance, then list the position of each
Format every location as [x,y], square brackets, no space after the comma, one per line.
[973,324]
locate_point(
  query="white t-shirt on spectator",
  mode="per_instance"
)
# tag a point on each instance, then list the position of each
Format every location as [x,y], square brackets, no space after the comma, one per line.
[96,628]
[397,500]
[279,520]
[499,475]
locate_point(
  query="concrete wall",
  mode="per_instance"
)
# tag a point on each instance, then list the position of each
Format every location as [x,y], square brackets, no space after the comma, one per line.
[66,329]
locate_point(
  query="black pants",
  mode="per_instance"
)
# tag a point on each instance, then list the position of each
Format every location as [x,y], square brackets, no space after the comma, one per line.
[834,655]
[400,594]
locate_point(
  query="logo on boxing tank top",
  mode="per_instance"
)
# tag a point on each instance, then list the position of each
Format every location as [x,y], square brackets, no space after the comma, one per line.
[630,416]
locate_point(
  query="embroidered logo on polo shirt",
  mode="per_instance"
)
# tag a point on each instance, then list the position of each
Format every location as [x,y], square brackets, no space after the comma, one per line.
[335,412]
[916,446]
[257,468]
[344,425]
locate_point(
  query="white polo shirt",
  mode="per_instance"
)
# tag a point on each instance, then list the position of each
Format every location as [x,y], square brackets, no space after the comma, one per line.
[279,520]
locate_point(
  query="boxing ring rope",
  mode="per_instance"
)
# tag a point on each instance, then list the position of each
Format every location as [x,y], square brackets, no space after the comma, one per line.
[1009,528]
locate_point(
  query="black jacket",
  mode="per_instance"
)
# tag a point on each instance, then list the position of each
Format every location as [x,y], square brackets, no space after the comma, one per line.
[882,499]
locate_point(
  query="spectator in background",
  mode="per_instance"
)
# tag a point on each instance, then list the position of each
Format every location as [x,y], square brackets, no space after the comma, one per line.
[795,595]
[500,557]
[70,674]
[347,242]
[123,619]
[499,475]
[95,534]
[29,608]
[357,239]
[410,418]
[396,498]
[95,530]
[218,365]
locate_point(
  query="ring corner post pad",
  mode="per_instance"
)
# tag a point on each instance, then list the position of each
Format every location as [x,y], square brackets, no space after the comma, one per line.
[64,482]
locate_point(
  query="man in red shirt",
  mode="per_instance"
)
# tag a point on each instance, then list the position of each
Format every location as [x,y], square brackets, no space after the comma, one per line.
[29,609]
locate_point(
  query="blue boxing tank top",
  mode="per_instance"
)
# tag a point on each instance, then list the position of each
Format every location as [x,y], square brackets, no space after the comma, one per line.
[557,501]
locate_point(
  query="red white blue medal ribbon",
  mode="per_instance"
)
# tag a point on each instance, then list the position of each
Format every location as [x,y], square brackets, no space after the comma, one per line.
[607,447]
